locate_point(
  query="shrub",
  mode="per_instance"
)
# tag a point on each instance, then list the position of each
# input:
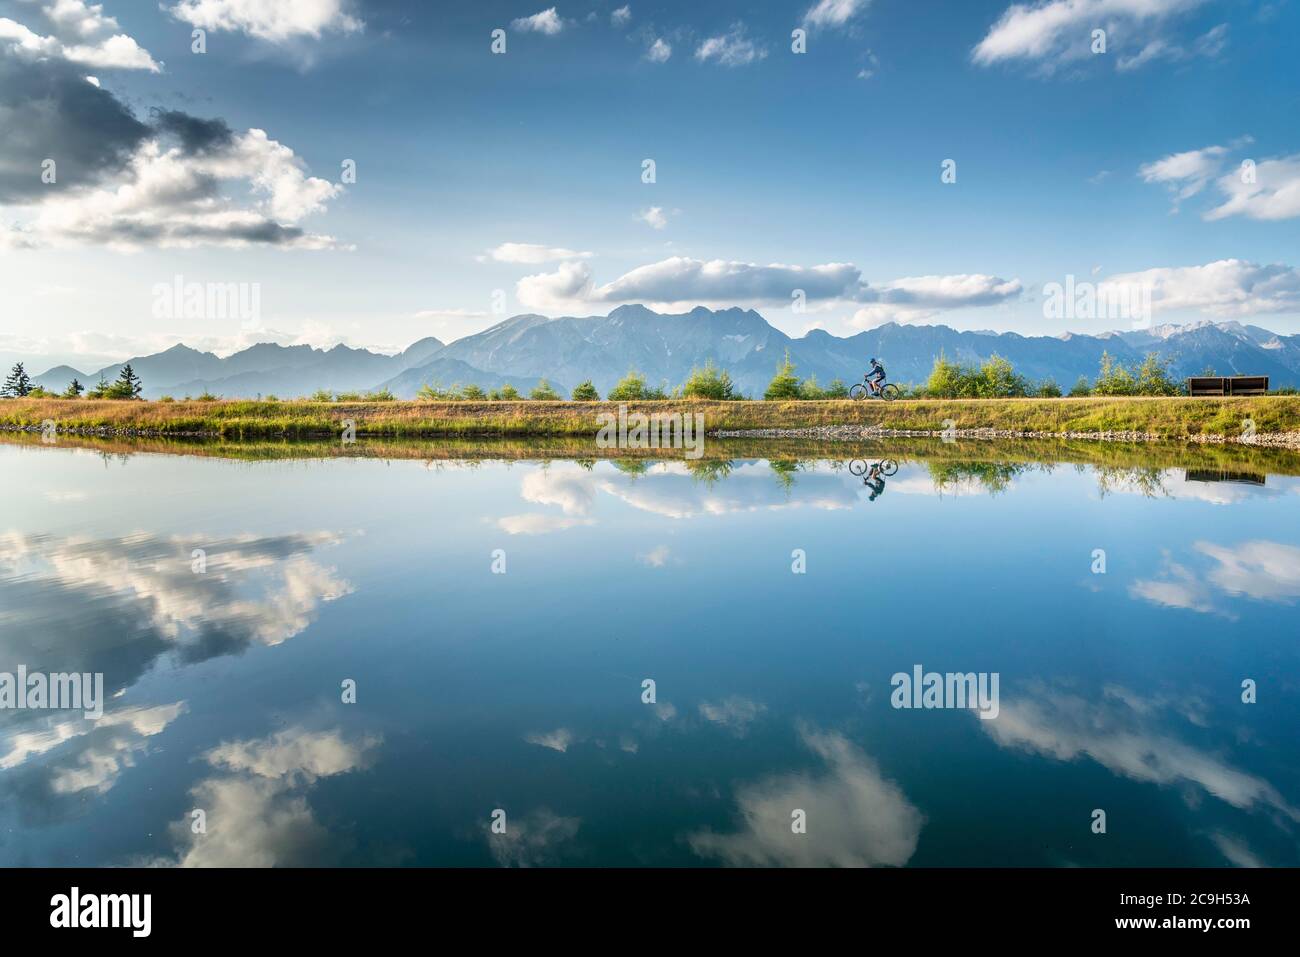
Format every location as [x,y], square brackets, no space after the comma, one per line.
[585,392]
[473,393]
[785,384]
[322,395]
[507,393]
[544,393]
[1113,379]
[1153,377]
[1081,389]
[837,389]
[631,386]
[709,383]
[1048,389]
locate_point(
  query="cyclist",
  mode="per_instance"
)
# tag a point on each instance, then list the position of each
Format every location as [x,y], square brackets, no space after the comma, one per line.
[876,377]
[875,481]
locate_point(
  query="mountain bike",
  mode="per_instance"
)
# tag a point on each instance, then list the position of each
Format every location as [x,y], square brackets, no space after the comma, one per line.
[860,467]
[887,391]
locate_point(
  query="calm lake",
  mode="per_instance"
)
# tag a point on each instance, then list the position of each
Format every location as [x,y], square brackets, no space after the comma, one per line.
[372,658]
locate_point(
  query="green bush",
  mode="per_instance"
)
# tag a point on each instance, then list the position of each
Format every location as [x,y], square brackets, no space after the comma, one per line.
[1081,389]
[585,392]
[544,393]
[785,384]
[709,383]
[630,387]
[1048,389]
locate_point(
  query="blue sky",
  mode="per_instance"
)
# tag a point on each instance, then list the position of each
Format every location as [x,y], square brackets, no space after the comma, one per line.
[493,184]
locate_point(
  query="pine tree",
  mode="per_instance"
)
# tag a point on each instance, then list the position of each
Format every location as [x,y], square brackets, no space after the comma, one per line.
[74,389]
[127,386]
[785,384]
[19,382]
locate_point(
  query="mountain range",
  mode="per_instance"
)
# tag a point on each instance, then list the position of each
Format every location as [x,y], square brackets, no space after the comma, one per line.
[665,347]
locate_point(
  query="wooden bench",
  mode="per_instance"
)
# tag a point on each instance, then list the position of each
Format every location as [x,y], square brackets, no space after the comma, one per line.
[1227,385]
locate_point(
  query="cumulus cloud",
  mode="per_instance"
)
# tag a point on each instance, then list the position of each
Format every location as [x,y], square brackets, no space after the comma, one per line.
[1056,31]
[856,817]
[81,34]
[257,814]
[538,524]
[733,48]
[536,839]
[833,13]
[659,51]
[1228,287]
[1274,192]
[173,195]
[275,21]
[1186,173]
[546,21]
[532,253]
[558,740]
[1127,741]
[621,16]
[143,590]
[735,713]
[654,217]
[682,282]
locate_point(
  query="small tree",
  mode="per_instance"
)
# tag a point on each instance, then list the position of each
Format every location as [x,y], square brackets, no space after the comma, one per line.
[19,382]
[473,393]
[1153,376]
[998,379]
[585,392]
[507,393]
[543,392]
[810,390]
[1113,378]
[127,386]
[1048,389]
[709,383]
[74,389]
[630,387]
[945,379]
[785,384]
[1081,388]
[837,389]
[100,391]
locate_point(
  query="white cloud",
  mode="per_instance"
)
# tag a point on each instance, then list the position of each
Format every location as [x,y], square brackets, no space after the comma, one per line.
[621,16]
[1123,739]
[734,713]
[257,811]
[533,840]
[547,21]
[537,524]
[833,13]
[681,282]
[659,51]
[1275,193]
[856,818]
[657,557]
[1186,173]
[558,740]
[733,48]
[654,217]
[272,20]
[1228,287]
[170,196]
[83,35]
[1054,31]
[532,253]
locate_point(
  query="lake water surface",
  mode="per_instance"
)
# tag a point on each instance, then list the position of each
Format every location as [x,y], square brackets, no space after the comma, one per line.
[498,618]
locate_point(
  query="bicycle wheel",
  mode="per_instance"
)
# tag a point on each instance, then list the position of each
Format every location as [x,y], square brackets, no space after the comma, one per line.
[858,391]
[858,467]
[888,467]
[889,392]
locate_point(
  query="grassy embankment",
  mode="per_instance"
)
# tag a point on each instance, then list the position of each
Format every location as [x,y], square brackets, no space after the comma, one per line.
[1170,418]
[941,457]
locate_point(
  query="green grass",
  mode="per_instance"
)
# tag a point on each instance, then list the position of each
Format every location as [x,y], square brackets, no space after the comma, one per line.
[1171,418]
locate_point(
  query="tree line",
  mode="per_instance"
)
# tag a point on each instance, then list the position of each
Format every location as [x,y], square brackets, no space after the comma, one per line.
[19,385]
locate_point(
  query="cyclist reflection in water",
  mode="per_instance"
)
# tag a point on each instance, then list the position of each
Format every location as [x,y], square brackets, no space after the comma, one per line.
[875,481]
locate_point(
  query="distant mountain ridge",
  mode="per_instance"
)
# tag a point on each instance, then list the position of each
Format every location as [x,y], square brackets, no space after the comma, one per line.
[567,350]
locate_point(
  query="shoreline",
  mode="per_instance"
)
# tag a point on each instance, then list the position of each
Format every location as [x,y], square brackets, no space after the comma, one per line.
[854,433]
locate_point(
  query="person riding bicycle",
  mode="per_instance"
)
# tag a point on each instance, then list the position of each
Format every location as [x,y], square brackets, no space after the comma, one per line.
[876,377]
[875,481]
